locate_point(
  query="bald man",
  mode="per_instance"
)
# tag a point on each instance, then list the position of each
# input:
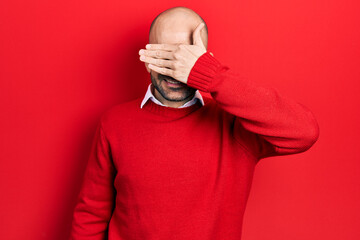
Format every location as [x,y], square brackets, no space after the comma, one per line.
[175,164]
[175,28]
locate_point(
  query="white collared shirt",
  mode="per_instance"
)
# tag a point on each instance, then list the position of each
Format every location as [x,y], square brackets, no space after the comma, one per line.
[149,95]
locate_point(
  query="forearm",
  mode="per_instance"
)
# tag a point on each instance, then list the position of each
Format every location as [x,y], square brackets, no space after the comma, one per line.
[282,126]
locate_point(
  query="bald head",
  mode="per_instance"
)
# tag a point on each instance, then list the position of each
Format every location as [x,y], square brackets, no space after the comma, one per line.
[175,26]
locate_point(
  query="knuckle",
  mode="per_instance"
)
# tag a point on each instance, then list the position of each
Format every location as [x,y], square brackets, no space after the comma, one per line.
[176,55]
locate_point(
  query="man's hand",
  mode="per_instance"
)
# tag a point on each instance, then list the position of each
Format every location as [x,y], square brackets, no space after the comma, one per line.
[174,60]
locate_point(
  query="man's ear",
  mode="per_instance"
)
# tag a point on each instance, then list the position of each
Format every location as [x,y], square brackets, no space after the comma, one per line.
[147,67]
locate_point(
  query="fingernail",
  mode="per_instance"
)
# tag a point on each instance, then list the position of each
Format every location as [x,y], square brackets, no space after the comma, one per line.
[141,51]
[148,46]
[142,57]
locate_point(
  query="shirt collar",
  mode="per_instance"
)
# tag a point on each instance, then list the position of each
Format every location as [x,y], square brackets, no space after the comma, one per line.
[149,95]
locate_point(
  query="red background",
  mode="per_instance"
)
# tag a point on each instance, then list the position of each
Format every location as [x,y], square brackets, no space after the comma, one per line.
[63,63]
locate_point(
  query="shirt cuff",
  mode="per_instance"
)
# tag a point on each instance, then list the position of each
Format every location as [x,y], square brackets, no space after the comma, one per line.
[203,72]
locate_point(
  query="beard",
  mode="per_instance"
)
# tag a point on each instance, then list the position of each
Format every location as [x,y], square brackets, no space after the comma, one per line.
[172,94]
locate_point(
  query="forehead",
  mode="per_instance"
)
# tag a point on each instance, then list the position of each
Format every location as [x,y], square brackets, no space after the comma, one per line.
[173,37]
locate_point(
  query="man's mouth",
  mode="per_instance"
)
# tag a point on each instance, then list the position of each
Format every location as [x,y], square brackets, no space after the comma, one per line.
[171,82]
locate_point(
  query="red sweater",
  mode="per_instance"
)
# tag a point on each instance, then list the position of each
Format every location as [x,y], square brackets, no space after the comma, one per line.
[161,173]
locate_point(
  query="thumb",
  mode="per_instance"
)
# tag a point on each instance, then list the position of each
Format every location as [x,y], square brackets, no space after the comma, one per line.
[197,37]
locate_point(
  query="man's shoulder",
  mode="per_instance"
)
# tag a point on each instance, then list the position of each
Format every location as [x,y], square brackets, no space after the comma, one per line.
[122,110]
[208,101]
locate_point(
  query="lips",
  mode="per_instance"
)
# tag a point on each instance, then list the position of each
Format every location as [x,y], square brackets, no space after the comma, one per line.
[173,85]
[173,81]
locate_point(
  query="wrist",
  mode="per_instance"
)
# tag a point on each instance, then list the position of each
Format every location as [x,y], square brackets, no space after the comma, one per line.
[203,72]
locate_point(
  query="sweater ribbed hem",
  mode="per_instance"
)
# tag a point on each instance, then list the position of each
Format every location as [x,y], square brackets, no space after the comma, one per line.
[203,72]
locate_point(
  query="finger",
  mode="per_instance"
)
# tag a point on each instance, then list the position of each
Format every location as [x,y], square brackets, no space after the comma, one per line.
[157,62]
[165,47]
[164,71]
[157,54]
[197,36]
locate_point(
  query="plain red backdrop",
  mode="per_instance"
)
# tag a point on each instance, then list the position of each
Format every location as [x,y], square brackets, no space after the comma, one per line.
[63,63]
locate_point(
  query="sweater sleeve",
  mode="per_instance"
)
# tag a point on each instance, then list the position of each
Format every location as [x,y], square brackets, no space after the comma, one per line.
[264,122]
[95,201]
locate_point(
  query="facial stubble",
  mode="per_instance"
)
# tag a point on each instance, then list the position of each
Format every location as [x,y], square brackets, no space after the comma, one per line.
[187,92]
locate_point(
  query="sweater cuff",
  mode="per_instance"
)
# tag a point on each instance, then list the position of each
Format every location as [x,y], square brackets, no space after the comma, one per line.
[203,72]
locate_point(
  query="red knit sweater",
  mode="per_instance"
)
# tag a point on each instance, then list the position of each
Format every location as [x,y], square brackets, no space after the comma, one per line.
[161,173]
